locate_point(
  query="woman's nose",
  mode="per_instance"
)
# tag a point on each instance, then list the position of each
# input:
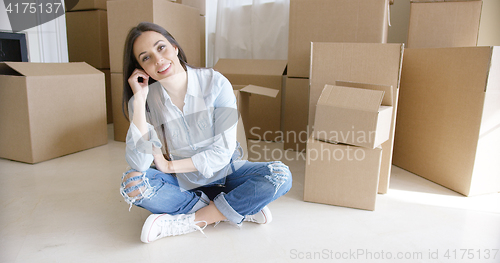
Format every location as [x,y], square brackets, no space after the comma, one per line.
[158,59]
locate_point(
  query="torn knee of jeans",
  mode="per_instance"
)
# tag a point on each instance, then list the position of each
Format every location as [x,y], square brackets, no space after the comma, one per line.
[280,173]
[135,186]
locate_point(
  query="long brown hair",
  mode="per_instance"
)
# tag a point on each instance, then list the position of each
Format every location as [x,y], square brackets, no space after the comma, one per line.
[130,63]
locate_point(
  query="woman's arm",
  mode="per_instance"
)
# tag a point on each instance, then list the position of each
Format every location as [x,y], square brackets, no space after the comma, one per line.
[225,120]
[141,137]
[177,166]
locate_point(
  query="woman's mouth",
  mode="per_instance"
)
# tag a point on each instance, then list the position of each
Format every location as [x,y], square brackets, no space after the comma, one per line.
[164,68]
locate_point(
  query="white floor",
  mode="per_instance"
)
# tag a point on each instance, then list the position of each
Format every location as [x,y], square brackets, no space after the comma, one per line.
[69,210]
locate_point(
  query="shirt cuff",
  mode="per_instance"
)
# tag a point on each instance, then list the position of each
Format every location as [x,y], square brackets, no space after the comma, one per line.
[201,164]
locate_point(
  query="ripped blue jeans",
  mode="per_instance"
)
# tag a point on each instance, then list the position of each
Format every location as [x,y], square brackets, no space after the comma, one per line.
[245,191]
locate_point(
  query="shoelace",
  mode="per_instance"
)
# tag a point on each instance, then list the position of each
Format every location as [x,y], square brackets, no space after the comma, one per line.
[178,227]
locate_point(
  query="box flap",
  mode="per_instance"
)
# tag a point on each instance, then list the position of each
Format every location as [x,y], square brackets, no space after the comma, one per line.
[52,69]
[351,98]
[5,69]
[260,91]
[265,67]
[387,89]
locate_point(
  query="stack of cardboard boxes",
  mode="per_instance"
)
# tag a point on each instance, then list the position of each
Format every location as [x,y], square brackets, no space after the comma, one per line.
[182,21]
[349,21]
[448,124]
[365,67]
[344,154]
[340,43]
[87,33]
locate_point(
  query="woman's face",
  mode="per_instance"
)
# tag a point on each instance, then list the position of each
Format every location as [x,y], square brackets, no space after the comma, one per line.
[156,55]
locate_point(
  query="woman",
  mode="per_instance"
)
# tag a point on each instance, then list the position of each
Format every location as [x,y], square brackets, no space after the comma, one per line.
[184,119]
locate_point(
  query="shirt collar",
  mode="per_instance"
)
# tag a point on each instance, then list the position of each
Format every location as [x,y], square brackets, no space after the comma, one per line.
[193,85]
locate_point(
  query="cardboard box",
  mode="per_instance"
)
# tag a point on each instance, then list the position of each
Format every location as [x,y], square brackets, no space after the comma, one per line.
[378,64]
[448,124]
[489,35]
[243,94]
[245,106]
[86,5]
[444,24]
[354,116]
[341,175]
[357,21]
[50,109]
[203,43]
[296,107]
[109,102]
[181,21]
[87,33]
[120,123]
[240,133]
[264,121]
[201,5]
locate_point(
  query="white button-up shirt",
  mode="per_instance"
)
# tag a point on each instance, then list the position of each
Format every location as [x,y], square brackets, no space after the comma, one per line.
[204,131]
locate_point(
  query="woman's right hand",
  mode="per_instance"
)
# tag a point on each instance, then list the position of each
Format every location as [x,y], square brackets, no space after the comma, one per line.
[139,88]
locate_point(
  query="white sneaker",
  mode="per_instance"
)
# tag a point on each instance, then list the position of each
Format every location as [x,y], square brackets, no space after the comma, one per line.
[164,225]
[264,216]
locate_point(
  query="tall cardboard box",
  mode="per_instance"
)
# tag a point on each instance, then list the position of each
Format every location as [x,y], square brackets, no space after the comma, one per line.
[181,21]
[85,5]
[448,124]
[296,107]
[265,112]
[341,175]
[87,33]
[444,24]
[378,64]
[353,116]
[109,102]
[120,123]
[48,110]
[359,21]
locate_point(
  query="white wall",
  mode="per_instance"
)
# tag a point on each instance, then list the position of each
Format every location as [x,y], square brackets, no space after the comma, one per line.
[46,43]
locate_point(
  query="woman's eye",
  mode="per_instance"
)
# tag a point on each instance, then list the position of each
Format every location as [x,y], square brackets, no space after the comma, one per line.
[161,47]
[145,58]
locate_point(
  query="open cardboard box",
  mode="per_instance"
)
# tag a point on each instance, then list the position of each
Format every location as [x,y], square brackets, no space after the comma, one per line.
[378,64]
[246,92]
[353,116]
[48,110]
[265,117]
[448,124]
[342,175]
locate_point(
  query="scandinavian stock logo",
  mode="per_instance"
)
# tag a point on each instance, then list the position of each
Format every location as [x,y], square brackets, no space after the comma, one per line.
[25,14]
